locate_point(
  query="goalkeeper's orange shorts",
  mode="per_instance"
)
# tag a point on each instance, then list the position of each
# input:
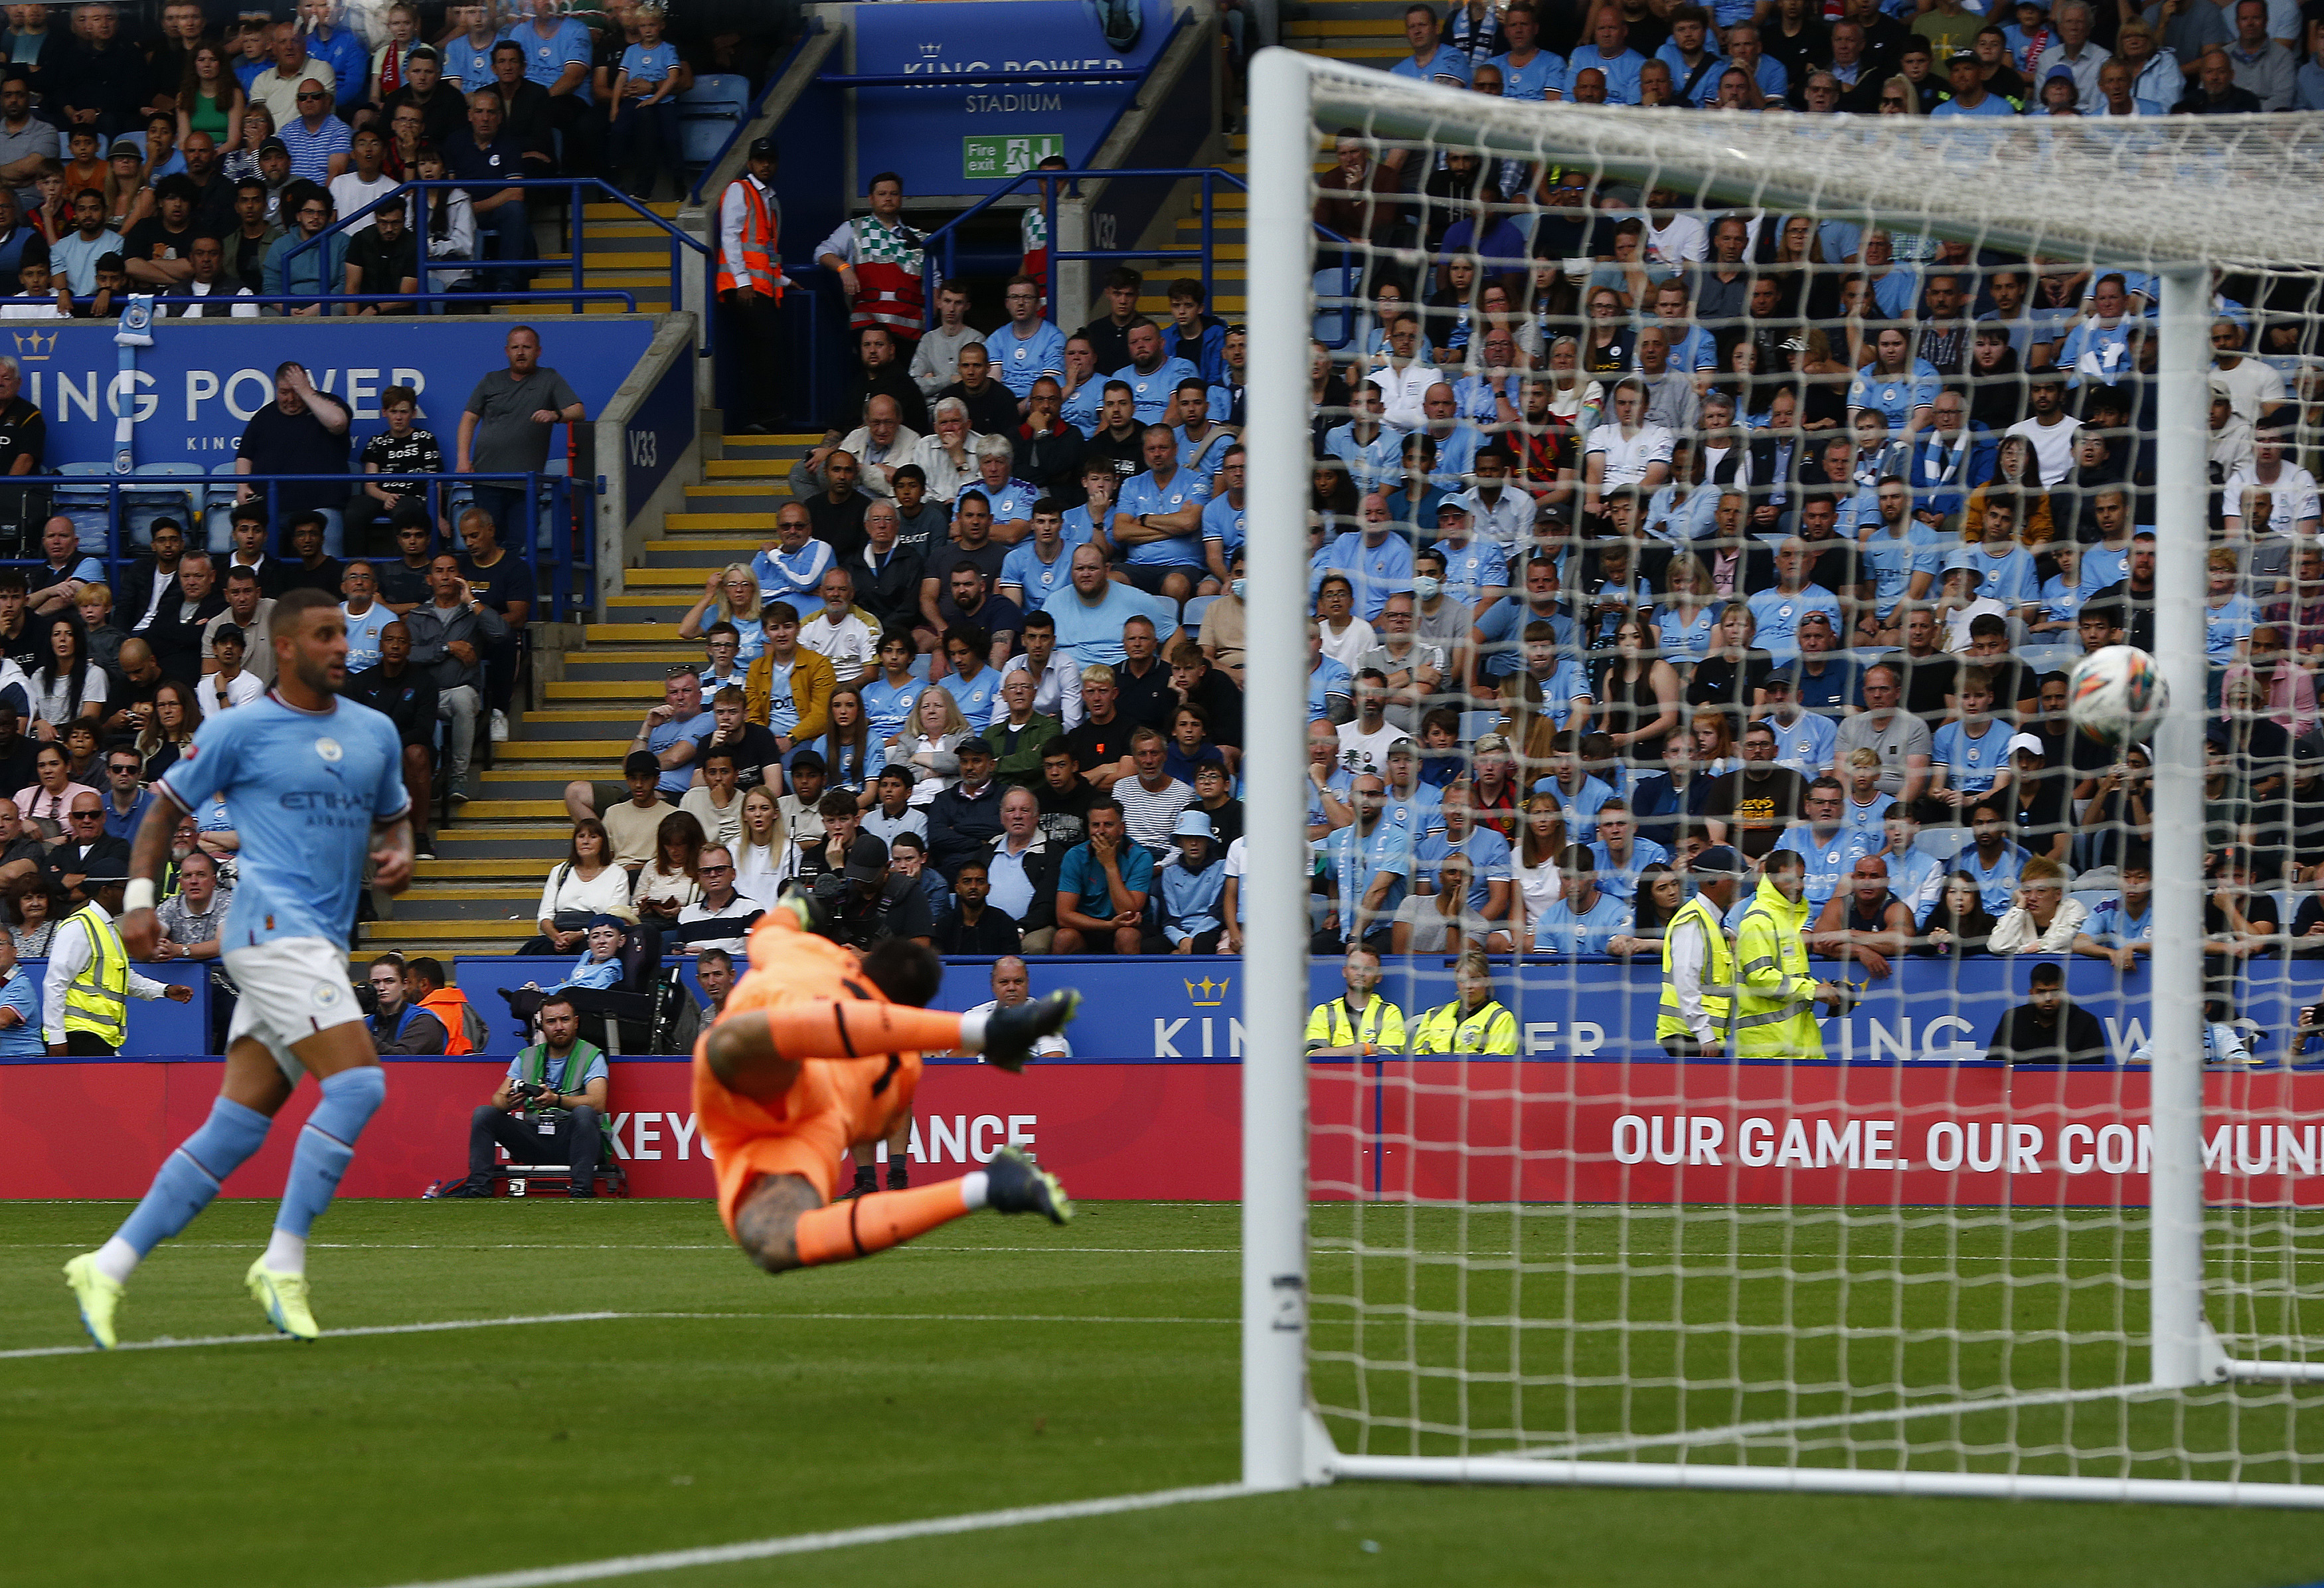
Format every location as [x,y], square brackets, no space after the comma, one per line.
[835,1104]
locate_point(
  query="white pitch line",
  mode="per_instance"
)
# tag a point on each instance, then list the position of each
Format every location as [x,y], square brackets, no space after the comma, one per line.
[169,1344]
[1774,1426]
[172,1343]
[719,1555]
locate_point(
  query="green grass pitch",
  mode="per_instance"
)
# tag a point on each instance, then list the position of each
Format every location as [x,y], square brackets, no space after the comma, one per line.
[997,1363]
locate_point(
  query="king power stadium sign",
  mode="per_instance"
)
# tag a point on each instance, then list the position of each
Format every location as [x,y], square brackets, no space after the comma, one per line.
[190,395]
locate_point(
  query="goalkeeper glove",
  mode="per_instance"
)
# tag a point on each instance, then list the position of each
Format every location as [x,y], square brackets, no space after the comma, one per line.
[1010,1033]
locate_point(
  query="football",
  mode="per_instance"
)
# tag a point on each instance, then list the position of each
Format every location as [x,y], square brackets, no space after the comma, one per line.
[2116,695]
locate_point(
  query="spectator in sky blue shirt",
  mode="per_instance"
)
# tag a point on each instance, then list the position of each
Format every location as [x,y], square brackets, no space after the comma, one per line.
[1586,916]
[1431,61]
[1619,856]
[2228,614]
[1191,882]
[1804,739]
[1900,388]
[1829,846]
[1028,347]
[2122,928]
[1375,558]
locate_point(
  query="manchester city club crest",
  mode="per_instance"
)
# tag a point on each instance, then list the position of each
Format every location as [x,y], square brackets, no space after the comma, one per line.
[330,749]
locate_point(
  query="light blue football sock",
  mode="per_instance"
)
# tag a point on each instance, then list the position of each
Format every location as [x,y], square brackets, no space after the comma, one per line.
[190,1176]
[328,1145]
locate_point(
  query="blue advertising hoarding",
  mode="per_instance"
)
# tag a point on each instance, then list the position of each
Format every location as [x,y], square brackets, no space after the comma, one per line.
[1189,1011]
[192,393]
[959,134]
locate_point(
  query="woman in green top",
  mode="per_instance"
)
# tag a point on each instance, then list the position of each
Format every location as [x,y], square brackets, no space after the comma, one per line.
[210,100]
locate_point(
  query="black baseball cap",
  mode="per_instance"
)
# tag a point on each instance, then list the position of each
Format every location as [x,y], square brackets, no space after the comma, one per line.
[1717,861]
[762,149]
[867,857]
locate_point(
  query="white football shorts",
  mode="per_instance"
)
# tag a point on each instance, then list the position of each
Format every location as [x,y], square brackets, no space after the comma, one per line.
[290,989]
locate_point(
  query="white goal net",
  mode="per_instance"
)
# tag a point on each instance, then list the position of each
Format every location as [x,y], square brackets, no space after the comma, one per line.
[1698,515]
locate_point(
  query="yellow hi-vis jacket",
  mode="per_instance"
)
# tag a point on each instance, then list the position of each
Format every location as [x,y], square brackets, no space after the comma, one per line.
[1775,1001]
[1714,976]
[1380,1026]
[1491,1029]
[98,1000]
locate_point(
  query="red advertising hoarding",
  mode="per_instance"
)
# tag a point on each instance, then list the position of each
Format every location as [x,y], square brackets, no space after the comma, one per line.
[1542,1133]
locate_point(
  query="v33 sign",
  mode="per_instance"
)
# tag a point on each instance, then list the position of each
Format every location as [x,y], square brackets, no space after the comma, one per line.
[656,435]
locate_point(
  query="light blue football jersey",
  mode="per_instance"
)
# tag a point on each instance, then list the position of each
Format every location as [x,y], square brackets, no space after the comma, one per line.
[304,790]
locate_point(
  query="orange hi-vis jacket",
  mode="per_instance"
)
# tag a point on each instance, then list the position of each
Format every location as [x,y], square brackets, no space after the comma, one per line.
[761,223]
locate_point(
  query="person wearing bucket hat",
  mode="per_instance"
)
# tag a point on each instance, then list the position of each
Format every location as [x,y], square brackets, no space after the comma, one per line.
[1190,883]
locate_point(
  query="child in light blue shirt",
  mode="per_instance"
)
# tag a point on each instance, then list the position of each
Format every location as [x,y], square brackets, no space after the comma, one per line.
[644,108]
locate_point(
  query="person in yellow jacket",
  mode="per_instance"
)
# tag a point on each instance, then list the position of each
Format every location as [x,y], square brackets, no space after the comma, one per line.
[788,675]
[85,998]
[1698,961]
[1474,1022]
[1359,1023]
[1775,998]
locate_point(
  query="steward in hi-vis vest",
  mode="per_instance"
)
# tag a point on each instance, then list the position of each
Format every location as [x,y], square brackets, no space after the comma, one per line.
[1775,998]
[750,281]
[1699,964]
[1359,1023]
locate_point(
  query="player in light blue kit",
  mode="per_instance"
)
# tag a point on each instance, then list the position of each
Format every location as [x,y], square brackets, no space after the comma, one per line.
[314,785]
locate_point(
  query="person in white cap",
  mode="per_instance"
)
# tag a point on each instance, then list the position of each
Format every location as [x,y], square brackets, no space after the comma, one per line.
[2038,810]
[1189,884]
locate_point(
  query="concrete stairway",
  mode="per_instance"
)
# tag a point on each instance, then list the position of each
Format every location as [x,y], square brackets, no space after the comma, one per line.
[479,894]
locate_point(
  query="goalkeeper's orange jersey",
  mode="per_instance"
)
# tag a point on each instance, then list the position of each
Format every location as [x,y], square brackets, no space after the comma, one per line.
[834,1104]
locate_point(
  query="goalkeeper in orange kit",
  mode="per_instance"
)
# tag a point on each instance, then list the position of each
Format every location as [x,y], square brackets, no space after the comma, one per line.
[818,1052]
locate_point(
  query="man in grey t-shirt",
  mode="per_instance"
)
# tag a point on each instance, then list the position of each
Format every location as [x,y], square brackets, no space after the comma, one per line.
[25,140]
[506,429]
[1900,739]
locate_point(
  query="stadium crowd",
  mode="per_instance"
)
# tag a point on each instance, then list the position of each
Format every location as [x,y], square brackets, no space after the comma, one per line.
[189,150]
[1663,528]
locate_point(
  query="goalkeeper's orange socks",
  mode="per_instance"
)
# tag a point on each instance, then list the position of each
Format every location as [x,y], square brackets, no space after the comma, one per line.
[862,1226]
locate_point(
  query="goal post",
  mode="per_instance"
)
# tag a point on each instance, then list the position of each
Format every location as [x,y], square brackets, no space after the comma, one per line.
[2210,194]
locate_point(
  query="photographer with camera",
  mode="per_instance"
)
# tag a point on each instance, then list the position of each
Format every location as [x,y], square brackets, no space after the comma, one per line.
[552,1098]
[867,900]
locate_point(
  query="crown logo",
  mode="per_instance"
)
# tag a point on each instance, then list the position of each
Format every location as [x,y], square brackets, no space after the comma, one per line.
[35,343]
[932,51]
[1207,993]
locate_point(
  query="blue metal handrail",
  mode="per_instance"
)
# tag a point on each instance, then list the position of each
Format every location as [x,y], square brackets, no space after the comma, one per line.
[569,561]
[304,300]
[945,237]
[1055,256]
[416,196]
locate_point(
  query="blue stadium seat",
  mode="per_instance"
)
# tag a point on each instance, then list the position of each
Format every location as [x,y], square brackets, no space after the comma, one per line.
[709,112]
[217,509]
[90,510]
[1334,326]
[141,507]
[1943,843]
[1189,617]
